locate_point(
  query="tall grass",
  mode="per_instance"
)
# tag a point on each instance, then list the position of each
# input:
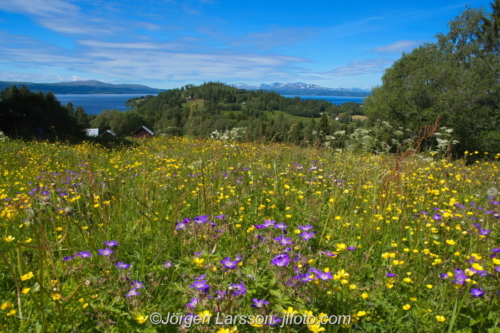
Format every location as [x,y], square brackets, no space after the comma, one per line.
[206,227]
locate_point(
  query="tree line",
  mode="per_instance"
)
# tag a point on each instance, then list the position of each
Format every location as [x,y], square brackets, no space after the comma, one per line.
[454,82]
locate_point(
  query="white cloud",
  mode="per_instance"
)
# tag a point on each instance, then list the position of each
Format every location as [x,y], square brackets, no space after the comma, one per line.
[362,66]
[37,77]
[142,60]
[60,16]
[276,37]
[398,47]
[39,7]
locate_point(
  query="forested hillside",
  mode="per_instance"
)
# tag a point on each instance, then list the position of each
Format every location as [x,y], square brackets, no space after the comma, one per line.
[201,110]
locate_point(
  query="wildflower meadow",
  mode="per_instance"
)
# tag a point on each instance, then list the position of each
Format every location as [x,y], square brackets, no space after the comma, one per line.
[178,235]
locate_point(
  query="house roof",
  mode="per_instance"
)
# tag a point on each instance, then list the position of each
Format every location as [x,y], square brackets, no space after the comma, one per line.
[145,128]
[110,132]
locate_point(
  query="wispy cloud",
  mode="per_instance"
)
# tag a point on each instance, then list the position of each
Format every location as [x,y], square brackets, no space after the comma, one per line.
[36,77]
[398,47]
[150,60]
[60,16]
[362,66]
[276,37]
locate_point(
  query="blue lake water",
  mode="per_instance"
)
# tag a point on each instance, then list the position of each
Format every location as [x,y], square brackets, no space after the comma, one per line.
[95,103]
[332,99]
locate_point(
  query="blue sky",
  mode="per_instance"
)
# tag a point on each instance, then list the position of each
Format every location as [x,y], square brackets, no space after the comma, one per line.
[170,43]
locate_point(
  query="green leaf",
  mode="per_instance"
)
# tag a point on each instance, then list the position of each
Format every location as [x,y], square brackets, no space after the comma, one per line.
[276,293]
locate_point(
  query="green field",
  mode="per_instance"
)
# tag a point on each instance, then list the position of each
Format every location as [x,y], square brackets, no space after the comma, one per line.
[101,239]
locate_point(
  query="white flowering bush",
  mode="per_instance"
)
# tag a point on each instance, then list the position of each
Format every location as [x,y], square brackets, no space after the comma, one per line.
[3,137]
[444,141]
[382,138]
[235,134]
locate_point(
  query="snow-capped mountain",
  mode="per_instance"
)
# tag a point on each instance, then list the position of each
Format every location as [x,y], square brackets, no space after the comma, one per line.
[300,88]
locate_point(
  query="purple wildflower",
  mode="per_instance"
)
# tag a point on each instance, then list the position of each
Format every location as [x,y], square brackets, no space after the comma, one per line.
[238,289]
[201,285]
[281,260]
[390,275]
[306,235]
[304,277]
[220,217]
[476,292]
[460,277]
[281,226]
[67,258]
[306,227]
[480,273]
[111,243]
[437,217]
[220,294]
[193,303]
[495,250]
[181,225]
[273,321]
[324,275]
[330,254]
[132,292]
[84,254]
[167,264]
[201,219]
[268,223]
[259,303]
[227,263]
[484,232]
[351,248]
[106,252]
[314,270]
[283,240]
[122,265]
[444,276]
[136,284]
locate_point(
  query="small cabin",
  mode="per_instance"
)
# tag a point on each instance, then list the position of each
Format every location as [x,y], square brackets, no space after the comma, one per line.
[142,132]
[92,132]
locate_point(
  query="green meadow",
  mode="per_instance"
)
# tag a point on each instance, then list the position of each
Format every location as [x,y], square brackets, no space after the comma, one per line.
[177,235]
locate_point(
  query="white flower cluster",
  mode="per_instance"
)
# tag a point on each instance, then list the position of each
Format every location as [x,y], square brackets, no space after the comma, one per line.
[3,137]
[444,140]
[235,134]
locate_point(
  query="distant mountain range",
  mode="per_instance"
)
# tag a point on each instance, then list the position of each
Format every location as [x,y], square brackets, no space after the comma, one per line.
[302,89]
[98,87]
[84,87]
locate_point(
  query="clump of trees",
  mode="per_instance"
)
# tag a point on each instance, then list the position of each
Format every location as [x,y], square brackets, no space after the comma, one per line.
[455,81]
[28,115]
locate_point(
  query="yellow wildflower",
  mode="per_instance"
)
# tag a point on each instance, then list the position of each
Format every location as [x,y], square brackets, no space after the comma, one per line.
[9,239]
[6,305]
